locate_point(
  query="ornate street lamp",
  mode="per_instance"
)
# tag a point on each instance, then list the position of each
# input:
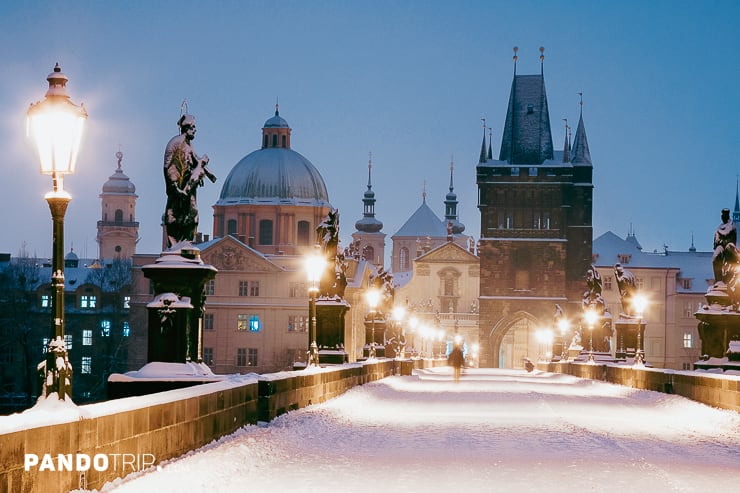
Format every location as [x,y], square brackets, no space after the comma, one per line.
[640,303]
[373,299]
[591,317]
[315,266]
[55,124]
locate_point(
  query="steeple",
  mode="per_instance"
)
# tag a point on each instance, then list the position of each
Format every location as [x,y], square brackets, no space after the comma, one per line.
[736,211]
[368,223]
[118,230]
[580,152]
[490,151]
[451,205]
[276,131]
[566,145]
[527,138]
[483,144]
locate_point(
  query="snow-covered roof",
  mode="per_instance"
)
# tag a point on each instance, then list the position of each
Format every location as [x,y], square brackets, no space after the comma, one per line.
[424,222]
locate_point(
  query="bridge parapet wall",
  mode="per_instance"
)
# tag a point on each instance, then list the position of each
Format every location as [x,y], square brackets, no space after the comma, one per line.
[717,390]
[162,426]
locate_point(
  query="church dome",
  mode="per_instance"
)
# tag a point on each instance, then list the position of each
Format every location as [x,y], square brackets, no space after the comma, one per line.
[118,182]
[275,174]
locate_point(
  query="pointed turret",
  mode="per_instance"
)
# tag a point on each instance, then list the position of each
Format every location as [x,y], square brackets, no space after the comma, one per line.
[490,150]
[736,211]
[451,206]
[566,145]
[368,223]
[580,153]
[482,158]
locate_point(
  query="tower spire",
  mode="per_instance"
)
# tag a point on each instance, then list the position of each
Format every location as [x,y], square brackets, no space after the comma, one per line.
[451,206]
[736,212]
[515,58]
[580,152]
[566,145]
[542,60]
[482,158]
[490,150]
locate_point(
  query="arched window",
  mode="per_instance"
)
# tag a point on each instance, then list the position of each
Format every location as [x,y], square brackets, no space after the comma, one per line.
[304,233]
[119,216]
[285,141]
[264,144]
[369,253]
[274,140]
[403,258]
[265,234]
[231,227]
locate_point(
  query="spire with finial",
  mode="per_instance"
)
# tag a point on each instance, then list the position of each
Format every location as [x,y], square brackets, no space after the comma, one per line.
[490,137]
[455,226]
[482,158]
[515,57]
[119,156]
[580,153]
[736,212]
[368,223]
[542,60]
[424,192]
[692,248]
[566,145]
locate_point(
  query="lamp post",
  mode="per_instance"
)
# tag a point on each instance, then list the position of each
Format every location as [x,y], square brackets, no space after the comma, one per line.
[591,316]
[55,125]
[315,265]
[639,302]
[373,299]
[399,314]
[563,327]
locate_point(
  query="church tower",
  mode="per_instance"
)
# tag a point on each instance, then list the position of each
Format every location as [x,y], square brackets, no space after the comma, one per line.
[118,230]
[368,239]
[536,233]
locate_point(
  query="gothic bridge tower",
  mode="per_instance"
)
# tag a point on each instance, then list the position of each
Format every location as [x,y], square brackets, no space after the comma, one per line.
[536,233]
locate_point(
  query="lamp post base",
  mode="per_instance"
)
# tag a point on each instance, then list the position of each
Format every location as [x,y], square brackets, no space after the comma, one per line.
[313,355]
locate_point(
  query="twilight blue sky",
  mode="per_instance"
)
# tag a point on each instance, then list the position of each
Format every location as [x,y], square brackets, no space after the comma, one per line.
[406,80]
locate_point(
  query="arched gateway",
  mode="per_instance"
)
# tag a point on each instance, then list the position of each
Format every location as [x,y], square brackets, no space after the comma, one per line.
[514,338]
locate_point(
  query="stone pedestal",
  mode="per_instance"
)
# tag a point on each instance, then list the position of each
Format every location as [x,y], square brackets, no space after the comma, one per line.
[630,337]
[176,314]
[719,323]
[330,330]
[379,335]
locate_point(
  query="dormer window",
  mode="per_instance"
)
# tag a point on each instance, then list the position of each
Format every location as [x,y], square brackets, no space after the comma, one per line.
[624,258]
[530,108]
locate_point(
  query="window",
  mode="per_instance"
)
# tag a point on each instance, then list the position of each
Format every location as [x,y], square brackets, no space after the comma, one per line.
[254,323]
[249,288]
[45,301]
[623,258]
[532,171]
[304,233]
[368,253]
[211,287]
[639,283]
[449,286]
[607,283]
[208,355]
[685,283]
[231,227]
[686,366]
[297,323]
[264,144]
[546,220]
[265,232]
[105,328]
[297,289]
[87,337]
[515,171]
[508,223]
[274,140]
[688,343]
[44,345]
[126,329]
[688,309]
[242,321]
[88,301]
[252,356]
[68,341]
[118,216]
[285,141]
[126,302]
[208,321]
[86,365]
[241,356]
[403,258]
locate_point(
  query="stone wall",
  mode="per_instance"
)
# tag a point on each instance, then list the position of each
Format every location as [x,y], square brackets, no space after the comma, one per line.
[722,391]
[162,426]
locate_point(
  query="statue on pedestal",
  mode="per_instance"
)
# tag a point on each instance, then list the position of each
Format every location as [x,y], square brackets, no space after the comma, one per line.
[725,252]
[184,171]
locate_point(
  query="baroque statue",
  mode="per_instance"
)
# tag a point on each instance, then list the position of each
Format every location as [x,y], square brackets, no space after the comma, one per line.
[184,171]
[725,252]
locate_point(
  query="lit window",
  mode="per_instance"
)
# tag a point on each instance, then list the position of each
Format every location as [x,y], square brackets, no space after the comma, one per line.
[126,329]
[45,301]
[297,323]
[105,328]
[126,302]
[252,356]
[515,171]
[242,321]
[88,301]
[254,323]
[44,345]
[532,171]
[68,341]
[688,342]
[86,365]
[87,337]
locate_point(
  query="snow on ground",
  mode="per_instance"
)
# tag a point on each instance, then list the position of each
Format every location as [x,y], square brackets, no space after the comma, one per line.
[495,430]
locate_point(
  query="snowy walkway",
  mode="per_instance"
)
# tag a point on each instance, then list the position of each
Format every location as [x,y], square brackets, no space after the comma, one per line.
[495,430]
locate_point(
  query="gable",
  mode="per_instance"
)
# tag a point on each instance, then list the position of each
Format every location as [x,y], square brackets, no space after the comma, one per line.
[230,254]
[449,252]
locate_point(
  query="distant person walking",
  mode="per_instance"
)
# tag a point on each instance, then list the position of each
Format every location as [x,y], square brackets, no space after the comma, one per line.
[456,359]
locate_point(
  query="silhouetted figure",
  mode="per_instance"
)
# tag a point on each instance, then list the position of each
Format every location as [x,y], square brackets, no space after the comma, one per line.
[456,360]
